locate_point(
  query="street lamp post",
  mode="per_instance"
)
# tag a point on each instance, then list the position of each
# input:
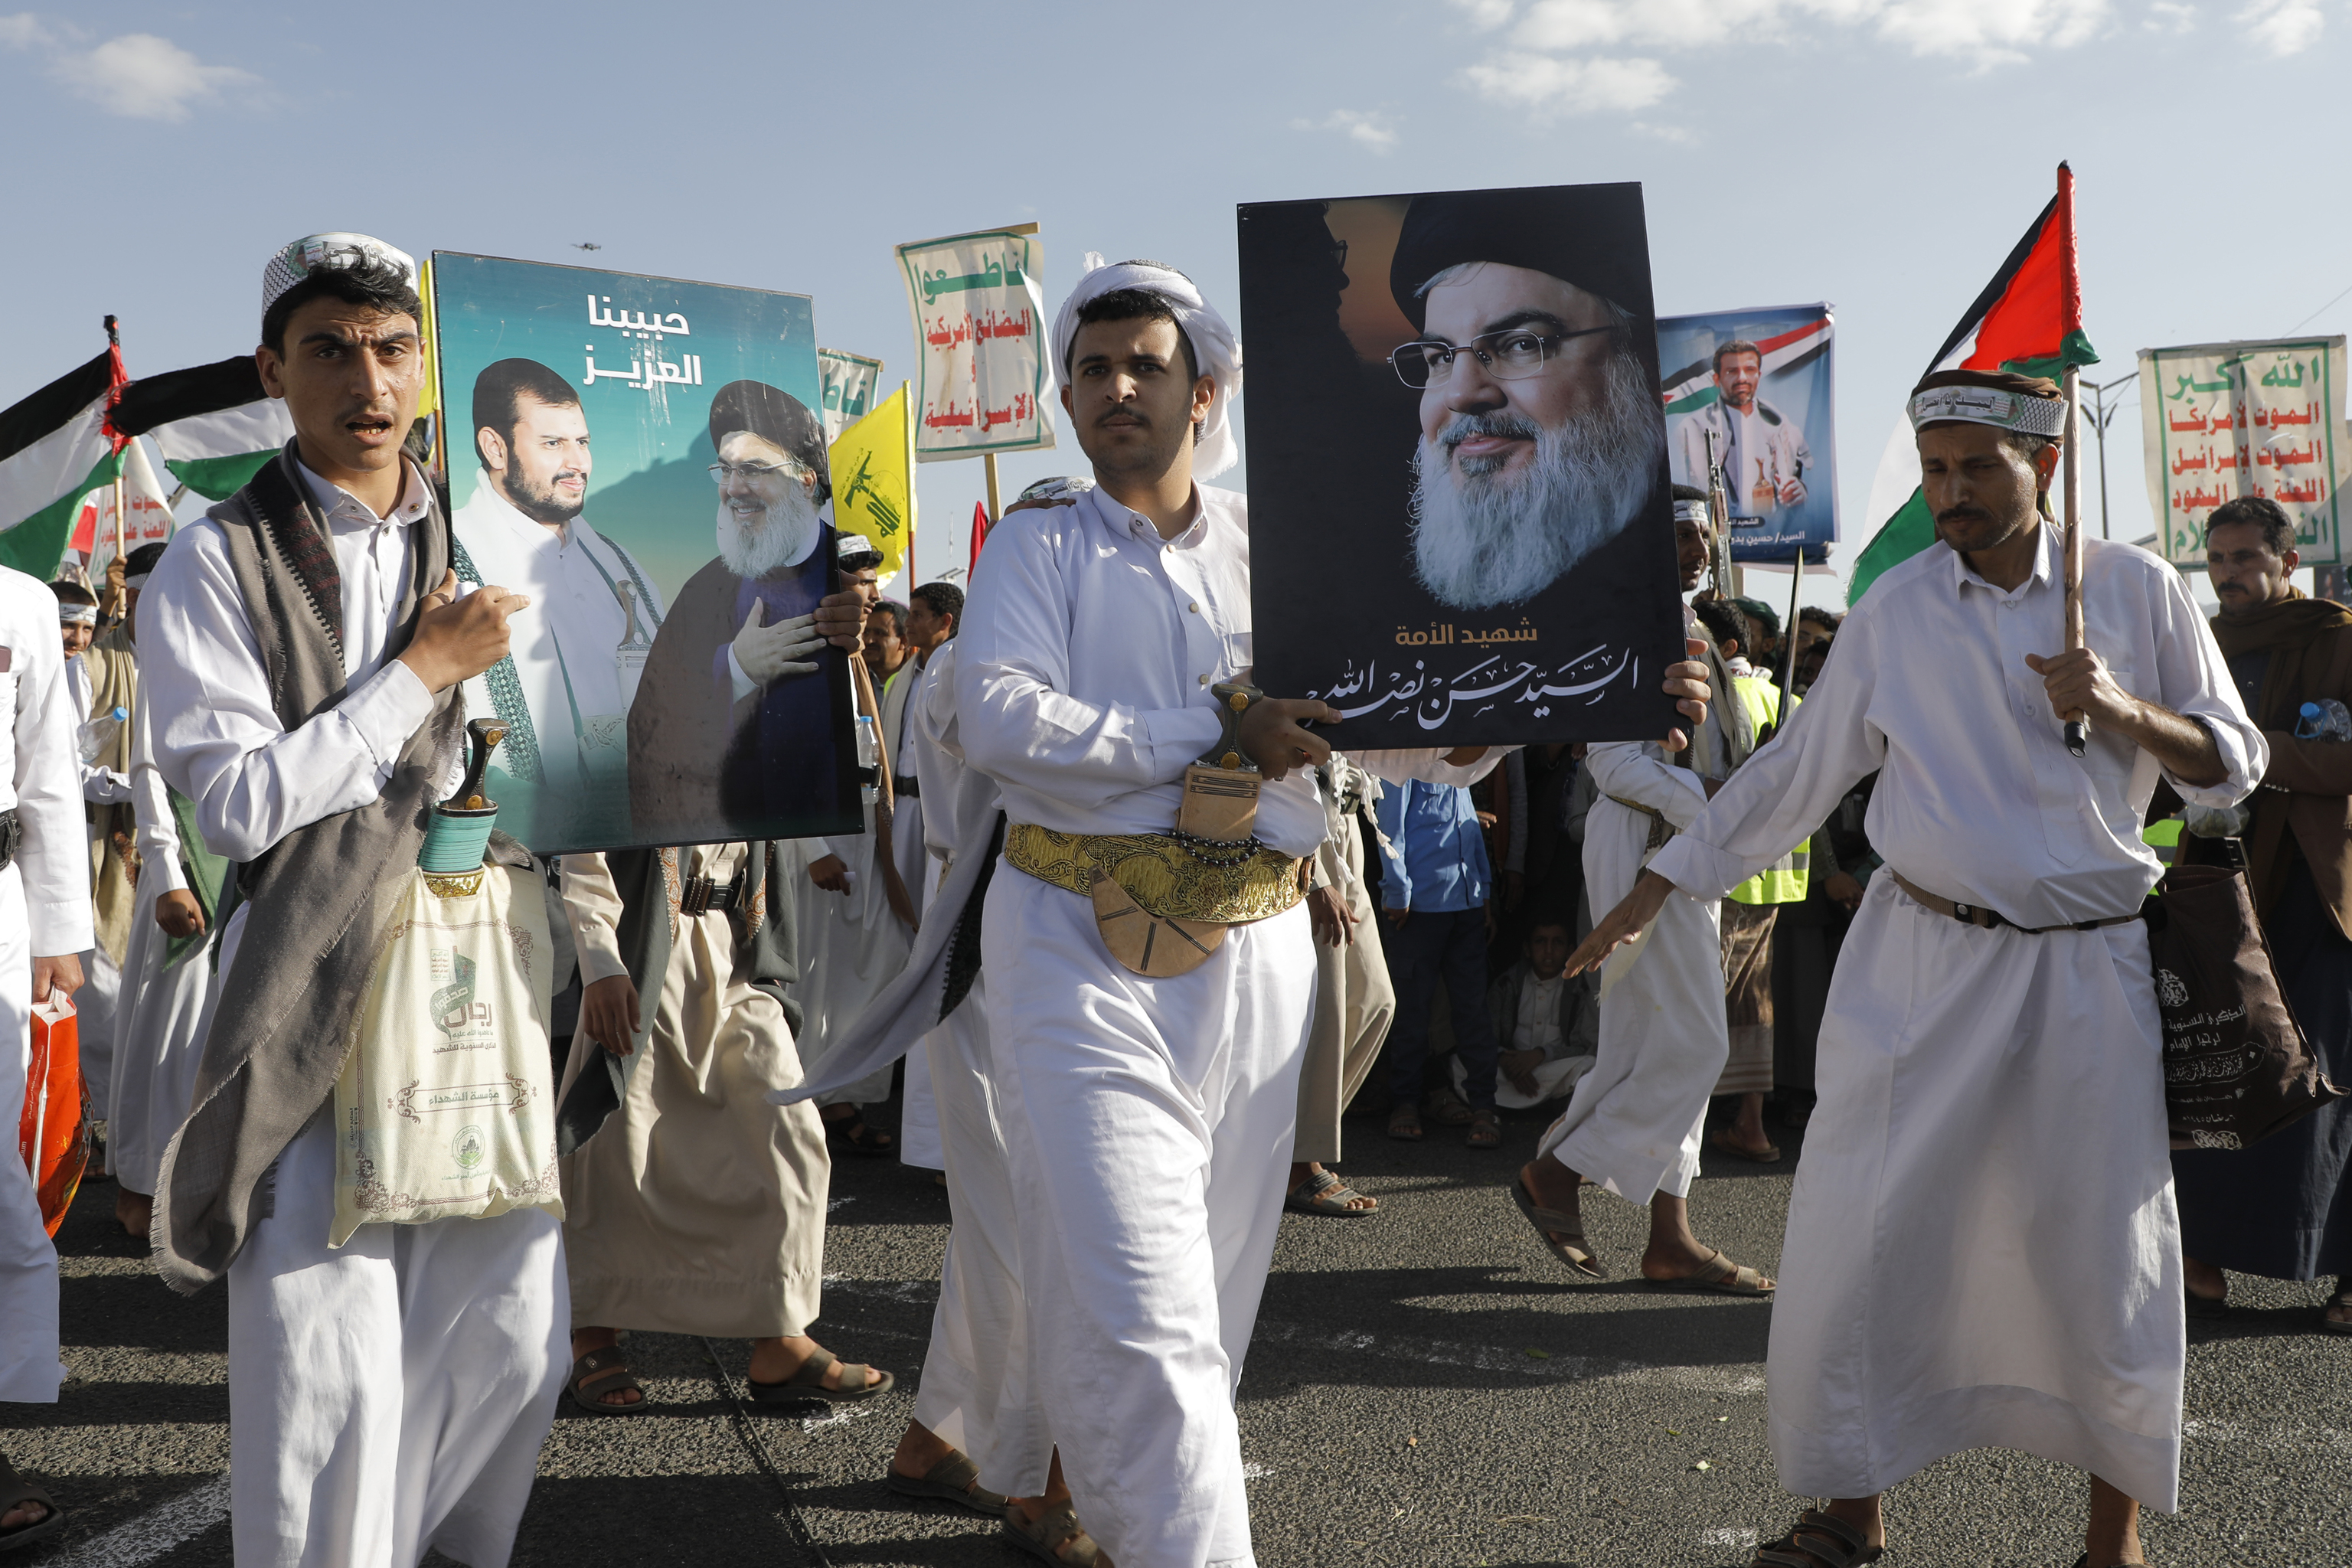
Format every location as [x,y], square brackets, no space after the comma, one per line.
[2103,412]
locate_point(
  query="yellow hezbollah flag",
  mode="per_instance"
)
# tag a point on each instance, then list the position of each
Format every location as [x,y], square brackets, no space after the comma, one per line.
[874,482]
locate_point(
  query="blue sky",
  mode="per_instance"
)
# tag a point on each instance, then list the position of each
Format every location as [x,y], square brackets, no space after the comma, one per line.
[1880,154]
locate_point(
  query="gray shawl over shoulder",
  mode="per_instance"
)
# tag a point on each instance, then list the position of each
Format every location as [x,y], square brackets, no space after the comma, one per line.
[316,900]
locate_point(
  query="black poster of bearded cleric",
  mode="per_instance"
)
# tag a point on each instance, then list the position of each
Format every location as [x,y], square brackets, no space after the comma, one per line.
[1461,524]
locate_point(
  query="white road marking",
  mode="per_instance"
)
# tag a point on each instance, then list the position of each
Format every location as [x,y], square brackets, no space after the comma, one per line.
[2294,1438]
[1737,1540]
[1253,1471]
[836,1205]
[154,1532]
[1553,1368]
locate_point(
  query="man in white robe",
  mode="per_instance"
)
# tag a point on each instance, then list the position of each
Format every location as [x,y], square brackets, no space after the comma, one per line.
[105,783]
[167,975]
[1146,1120]
[933,611]
[1982,1246]
[1633,1125]
[45,921]
[388,1396]
[565,690]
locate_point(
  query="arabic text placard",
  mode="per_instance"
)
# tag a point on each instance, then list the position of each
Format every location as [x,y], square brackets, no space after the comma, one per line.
[979,335]
[2221,421]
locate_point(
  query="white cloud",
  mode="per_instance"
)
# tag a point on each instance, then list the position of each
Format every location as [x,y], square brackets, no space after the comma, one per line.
[2169,17]
[1486,15]
[1550,87]
[23,30]
[1986,31]
[2283,26]
[1371,128]
[137,75]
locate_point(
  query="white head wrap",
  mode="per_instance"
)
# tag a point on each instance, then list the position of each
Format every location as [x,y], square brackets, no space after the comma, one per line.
[1213,344]
[297,259]
[1984,405]
[79,615]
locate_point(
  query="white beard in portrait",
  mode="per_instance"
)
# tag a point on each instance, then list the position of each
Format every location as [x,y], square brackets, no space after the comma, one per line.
[1482,538]
[758,541]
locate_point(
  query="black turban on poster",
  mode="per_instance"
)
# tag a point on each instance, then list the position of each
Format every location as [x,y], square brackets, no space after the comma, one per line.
[1591,236]
[776,417]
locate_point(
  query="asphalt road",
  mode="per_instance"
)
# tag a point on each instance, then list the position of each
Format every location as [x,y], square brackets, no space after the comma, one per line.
[1426,1388]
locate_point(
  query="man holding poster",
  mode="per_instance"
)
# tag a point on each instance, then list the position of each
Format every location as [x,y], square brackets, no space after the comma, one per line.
[1148,1102]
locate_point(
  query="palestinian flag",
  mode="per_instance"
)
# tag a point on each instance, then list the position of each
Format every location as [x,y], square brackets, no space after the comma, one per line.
[2029,319]
[1691,388]
[213,423]
[56,446]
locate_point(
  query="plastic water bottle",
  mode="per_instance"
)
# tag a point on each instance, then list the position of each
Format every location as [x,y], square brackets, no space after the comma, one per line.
[869,757]
[99,732]
[2325,720]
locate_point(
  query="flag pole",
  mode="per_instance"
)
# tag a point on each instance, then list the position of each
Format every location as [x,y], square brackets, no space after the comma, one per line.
[1788,637]
[995,501]
[2078,729]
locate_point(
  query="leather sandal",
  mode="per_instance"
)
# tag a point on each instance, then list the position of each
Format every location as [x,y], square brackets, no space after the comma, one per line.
[1485,1130]
[1404,1122]
[808,1384]
[14,1491]
[1828,1543]
[955,1479]
[853,1134]
[1326,1193]
[604,1367]
[1547,1222]
[2341,1299]
[1720,1275]
[1056,1537]
[1448,1108]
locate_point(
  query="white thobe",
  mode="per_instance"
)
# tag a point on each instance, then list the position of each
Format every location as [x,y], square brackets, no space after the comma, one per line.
[99,1003]
[851,946]
[1982,1246]
[977,1389]
[565,647]
[918,869]
[44,911]
[159,1034]
[1634,1122]
[390,1395]
[1147,1122]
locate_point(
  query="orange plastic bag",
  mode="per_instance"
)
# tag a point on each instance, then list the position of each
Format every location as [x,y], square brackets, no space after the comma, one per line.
[53,1136]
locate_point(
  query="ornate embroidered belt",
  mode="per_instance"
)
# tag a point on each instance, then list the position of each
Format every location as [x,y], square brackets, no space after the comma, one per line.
[1169,876]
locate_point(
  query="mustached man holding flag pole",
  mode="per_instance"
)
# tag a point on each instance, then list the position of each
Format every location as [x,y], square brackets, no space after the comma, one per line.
[1982,1249]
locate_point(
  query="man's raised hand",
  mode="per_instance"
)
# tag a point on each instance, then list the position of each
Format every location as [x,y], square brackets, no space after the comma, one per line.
[1686,684]
[1274,735]
[840,620]
[769,652]
[456,638]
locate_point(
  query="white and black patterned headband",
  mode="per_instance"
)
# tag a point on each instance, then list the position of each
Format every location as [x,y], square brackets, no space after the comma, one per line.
[1988,405]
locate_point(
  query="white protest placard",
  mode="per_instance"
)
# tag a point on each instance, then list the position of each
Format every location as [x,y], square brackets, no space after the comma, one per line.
[852,383]
[2221,421]
[984,383]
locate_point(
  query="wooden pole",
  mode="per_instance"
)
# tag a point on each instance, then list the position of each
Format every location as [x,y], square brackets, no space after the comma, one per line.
[995,499]
[1788,639]
[2077,728]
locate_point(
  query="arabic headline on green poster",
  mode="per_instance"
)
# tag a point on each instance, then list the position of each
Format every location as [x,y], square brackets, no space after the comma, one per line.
[2224,421]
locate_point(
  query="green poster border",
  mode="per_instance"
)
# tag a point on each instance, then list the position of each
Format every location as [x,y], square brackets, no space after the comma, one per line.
[1029,246]
[2238,348]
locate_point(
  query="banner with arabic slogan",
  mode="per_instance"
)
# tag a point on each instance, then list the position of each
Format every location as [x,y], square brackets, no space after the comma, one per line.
[2220,421]
[852,384]
[983,383]
[646,458]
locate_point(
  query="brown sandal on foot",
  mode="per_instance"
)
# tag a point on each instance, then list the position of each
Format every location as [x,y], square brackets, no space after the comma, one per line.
[1056,1537]
[604,1367]
[1835,1543]
[1549,1223]
[955,1479]
[808,1384]
[1485,1130]
[1404,1122]
[1720,1275]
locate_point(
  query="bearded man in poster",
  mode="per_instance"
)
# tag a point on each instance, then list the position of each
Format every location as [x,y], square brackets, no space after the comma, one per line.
[735,719]
[1541,429]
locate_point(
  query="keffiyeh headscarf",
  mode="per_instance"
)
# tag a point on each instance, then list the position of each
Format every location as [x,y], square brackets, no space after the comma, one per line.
[1213,344]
